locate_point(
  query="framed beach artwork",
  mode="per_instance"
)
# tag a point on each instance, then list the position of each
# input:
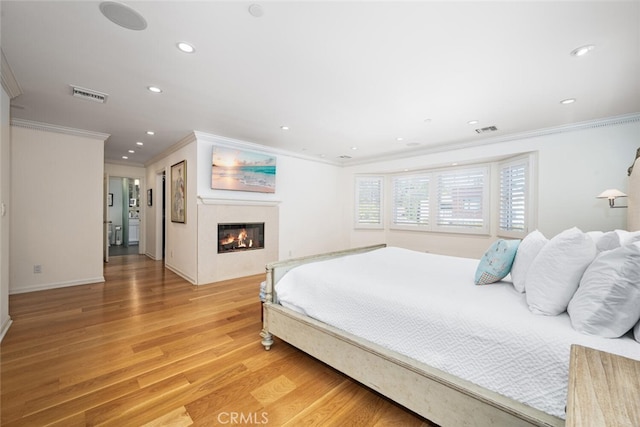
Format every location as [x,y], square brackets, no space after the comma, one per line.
[178,192]
[240,170]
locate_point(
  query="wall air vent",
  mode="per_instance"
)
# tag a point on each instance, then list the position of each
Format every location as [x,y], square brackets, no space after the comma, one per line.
[487,129]
[92,95]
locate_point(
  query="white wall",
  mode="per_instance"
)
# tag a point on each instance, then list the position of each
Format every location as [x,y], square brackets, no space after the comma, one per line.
[307,193]
[5,195]
[56,208]
[573,167]
[181,238]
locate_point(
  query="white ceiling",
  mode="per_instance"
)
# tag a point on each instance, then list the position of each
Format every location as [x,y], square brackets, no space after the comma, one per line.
[339,74]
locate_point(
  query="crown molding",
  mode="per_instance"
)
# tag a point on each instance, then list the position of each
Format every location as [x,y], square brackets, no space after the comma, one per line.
[235,143]
[591,124]
[191,137]
[9,82]
[28,124]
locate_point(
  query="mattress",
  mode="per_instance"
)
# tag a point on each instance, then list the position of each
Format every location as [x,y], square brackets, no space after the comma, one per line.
[427,307]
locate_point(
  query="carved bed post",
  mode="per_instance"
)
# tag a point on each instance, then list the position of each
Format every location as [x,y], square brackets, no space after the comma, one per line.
[267,338]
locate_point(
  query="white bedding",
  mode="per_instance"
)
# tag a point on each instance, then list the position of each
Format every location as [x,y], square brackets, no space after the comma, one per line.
[426,306]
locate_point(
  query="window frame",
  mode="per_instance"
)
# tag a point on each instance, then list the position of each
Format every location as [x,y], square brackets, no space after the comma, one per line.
[530,220]
[357,221]
[433,206]
[392,214]
[485,228]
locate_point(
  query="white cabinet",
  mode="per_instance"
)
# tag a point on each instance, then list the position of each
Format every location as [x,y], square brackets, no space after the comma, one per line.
[134,230]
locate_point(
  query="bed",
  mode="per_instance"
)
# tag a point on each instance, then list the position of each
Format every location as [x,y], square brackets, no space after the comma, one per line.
[472,363]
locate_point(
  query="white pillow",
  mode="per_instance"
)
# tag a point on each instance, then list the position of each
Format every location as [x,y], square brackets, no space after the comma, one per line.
[554,275]
[595,235]
[632,237]
[636,331]
[527,252]
[607,303]
[610,240]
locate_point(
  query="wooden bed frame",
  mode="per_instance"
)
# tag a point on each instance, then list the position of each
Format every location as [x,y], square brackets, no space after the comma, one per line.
[436,395]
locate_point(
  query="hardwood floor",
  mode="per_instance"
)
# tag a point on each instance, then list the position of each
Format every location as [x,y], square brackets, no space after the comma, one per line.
[146,348]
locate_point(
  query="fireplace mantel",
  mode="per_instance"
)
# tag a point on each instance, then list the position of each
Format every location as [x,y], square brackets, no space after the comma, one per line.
[238,202]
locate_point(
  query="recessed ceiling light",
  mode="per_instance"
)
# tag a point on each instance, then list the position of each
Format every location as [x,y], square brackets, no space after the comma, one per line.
[473,122]
[140,143]
[454,164]
[354,148]
[150,132]
[256,10]
[186,47]
[131,151]
[125,157]
[154,89]
[582,50]
[284,127]
[399,138]
[568,101]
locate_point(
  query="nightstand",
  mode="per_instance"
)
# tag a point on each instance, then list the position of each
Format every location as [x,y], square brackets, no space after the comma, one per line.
[604,389]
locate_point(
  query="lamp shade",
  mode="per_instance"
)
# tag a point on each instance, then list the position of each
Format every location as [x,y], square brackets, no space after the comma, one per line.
[611,194]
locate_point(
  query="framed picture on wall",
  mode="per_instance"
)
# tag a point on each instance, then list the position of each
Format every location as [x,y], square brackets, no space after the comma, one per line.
[240,170]
[149,197]
[110,199]
[179,192]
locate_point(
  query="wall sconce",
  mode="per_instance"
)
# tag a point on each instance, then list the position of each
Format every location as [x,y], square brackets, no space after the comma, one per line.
[612,194]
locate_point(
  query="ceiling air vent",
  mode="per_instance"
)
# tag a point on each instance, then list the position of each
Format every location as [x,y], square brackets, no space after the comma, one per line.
[91,95]
[344,157]
[487,129]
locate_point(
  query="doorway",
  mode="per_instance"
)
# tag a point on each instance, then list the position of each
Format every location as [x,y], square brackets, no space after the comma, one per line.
[124,213]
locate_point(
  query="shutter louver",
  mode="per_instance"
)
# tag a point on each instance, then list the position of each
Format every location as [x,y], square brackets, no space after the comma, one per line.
[369,202]
[513,196]
[411,200]
[460,198]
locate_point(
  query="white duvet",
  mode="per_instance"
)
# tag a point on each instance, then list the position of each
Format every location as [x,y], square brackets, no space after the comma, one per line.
[427,307]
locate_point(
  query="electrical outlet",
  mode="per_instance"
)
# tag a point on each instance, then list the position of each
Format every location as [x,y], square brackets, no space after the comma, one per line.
[37,269]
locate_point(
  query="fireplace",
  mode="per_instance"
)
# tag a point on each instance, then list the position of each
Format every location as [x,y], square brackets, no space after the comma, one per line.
[240,237]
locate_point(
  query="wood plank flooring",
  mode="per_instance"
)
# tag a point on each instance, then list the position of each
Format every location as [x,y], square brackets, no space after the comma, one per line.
[147,348]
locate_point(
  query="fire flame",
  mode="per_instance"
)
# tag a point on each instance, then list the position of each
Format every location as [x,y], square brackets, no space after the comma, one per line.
[241,239]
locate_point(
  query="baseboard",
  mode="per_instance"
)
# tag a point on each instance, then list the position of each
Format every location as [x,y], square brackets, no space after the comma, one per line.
[181,274]
[152,256]
[45,286]
[5,327]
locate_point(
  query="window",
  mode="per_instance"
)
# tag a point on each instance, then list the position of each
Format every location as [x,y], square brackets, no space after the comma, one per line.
[513,220]
[454,200]
[410,201]
[462,197]
[369,202]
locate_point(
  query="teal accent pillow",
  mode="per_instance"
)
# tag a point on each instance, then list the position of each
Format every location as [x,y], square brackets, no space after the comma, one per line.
[496,262]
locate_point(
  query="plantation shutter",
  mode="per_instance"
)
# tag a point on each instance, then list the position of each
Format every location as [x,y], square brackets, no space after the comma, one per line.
[369,202]
[461,199]
[410,200]
[513,196]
